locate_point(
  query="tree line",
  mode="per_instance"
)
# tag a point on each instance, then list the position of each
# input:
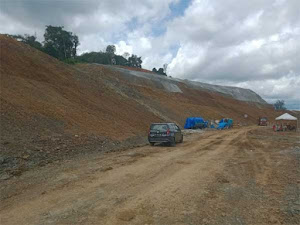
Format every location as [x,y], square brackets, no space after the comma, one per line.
[63,45]
[109,57]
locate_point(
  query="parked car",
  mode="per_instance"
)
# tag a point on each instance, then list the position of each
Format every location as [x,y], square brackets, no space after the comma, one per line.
[262,121]
[165,133]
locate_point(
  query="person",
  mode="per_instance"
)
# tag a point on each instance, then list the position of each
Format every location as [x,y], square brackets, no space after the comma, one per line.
[284,127]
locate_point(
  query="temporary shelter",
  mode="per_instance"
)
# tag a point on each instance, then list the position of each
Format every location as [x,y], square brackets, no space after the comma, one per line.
[287,120]
[286,116]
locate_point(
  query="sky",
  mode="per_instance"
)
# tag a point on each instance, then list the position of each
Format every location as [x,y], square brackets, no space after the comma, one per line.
[251,44]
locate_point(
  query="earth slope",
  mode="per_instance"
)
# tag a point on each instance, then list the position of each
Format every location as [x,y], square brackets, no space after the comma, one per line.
[170,84]
[48,107]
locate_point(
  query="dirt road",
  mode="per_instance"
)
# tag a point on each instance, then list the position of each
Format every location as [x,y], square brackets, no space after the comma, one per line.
[240,176]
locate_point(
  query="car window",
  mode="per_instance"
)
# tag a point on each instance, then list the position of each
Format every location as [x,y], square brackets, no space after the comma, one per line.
[172,128]
[159,127]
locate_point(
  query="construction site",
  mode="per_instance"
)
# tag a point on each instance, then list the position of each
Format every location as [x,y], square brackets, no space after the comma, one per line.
[74,148]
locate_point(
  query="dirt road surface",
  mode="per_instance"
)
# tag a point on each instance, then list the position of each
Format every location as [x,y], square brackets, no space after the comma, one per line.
[241,176]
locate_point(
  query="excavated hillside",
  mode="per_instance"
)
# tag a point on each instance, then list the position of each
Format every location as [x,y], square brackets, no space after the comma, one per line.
[51,109]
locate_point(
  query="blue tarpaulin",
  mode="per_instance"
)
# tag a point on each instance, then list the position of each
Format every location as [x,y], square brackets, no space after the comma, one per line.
[225,123]
[195,122]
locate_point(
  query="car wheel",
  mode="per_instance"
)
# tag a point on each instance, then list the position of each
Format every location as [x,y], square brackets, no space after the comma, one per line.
[151,143]
[173,143]
[181,140]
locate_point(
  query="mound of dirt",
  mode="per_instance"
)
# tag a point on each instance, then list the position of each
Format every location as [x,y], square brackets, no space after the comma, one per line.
[50,109]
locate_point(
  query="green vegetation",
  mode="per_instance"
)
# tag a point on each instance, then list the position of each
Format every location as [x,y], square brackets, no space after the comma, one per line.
[160,71]
[109,58]
[279,105]
[30,40]
[59,43]
[63,45]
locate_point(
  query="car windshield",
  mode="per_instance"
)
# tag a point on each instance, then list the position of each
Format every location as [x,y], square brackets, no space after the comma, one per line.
[159,127]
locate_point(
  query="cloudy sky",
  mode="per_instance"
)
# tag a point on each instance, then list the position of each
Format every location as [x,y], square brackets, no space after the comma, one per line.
[253,44]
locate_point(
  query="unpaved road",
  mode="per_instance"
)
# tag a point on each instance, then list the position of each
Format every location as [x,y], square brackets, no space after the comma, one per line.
[240,176]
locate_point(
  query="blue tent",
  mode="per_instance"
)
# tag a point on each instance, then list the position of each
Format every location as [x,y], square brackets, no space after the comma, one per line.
[194,122]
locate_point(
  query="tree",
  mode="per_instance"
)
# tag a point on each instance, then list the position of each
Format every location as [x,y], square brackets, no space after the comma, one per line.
[135,61]
[165,68]
[102,58]
[31,40]
[63,44]
[161,71]
[120,60]
[111,49]
[126,55]
[51,50]
[75,41]
[279,105]
[95,57]
[28,39]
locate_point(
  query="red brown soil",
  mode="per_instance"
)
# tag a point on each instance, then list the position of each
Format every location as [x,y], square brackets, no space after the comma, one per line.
[50,108]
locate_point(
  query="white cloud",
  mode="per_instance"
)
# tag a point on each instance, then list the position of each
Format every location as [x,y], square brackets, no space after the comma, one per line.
[253,44]
[122,47]
[92,42]
[286,87]
[240,44]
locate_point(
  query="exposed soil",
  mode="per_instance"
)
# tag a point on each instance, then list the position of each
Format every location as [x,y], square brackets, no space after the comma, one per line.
[72,151]
[52,111]
[248,175]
